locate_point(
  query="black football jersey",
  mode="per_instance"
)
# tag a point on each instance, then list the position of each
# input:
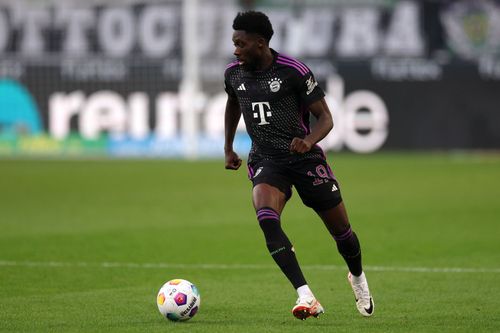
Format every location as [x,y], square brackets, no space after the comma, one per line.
[274,104]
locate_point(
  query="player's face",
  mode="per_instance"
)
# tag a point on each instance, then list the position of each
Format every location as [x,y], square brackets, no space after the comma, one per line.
[248,49]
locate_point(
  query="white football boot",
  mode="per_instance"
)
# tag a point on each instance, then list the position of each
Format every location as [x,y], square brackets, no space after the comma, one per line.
[364,300]
[307,307]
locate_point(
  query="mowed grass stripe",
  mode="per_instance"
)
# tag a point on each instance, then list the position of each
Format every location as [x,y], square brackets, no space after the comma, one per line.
[56,264]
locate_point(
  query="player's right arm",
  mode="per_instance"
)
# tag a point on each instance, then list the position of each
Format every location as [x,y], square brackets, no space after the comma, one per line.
[231,120]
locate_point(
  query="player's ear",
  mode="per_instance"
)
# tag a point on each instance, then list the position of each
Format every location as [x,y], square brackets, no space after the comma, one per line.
[261,42]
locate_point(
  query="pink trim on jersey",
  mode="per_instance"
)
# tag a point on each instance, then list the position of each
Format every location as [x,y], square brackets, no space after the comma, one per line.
[322,151]
[295,61]
[250,172]
[292,65]
[305,113]
[287,63]
[232,64]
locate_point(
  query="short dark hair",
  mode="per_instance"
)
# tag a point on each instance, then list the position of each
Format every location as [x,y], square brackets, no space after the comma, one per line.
[254,22]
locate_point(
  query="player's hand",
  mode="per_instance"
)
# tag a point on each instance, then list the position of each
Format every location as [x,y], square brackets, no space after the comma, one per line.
[233,161]
[300,146]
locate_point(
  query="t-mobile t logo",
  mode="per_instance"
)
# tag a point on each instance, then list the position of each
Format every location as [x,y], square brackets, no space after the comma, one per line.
[262,112]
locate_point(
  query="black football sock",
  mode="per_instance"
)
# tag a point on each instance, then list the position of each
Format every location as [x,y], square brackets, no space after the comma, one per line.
[348,246]
[279,246]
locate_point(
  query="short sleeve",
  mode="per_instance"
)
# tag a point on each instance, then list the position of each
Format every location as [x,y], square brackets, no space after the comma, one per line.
[227,84]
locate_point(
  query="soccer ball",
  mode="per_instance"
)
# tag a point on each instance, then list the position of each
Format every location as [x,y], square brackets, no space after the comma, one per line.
[178,300]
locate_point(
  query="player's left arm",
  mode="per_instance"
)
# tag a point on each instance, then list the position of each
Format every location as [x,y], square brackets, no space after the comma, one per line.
[323,126]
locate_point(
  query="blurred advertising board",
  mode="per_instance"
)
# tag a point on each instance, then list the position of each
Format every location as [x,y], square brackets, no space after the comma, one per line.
[103,78]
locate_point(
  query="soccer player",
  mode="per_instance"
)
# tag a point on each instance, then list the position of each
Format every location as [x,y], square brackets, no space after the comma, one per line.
[276,94]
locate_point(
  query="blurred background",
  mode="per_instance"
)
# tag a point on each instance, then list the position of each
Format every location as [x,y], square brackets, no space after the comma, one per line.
[144,78]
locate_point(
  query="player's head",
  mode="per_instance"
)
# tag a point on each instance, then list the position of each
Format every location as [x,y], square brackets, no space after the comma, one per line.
[252,33]
[253,22]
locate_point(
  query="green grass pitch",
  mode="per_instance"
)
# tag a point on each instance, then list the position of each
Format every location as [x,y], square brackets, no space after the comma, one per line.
[86,244]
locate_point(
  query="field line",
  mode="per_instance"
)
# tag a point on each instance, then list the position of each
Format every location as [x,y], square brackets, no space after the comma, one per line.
[55,264]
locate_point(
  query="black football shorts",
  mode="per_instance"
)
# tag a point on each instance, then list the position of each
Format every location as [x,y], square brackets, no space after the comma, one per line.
[312,178]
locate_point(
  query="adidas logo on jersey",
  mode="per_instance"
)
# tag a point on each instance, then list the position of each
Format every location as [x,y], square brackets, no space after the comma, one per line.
[242,87]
